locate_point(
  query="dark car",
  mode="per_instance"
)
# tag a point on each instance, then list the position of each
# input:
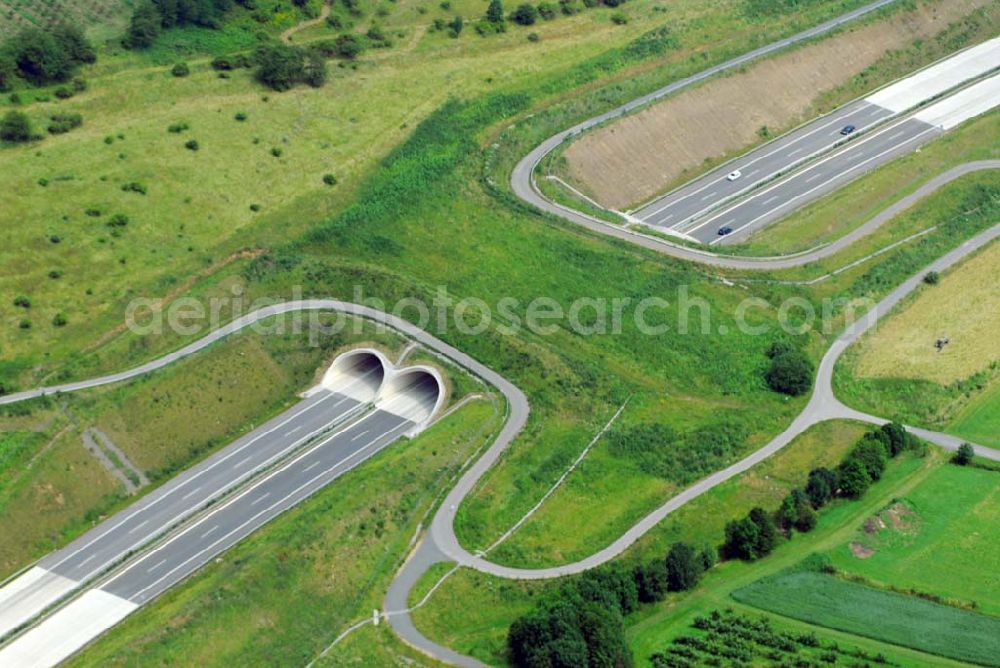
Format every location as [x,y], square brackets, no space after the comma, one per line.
[847,129]
[723,231]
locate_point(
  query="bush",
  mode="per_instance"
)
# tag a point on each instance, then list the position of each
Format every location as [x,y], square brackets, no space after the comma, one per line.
[494,12]
[524,15]
[455,27]
[853,478]
[651,581]
[533,37]
[791,372]
[619,18]
[569,7]
[62,123]
[330,179]
[821,486]
[60,320]
[240,116]
[315,72]
[191,145]
[143,28]
[281,66]
[134,187]
[932,278]
[752,537]
[348,46]
[276,152]
[546,10]
[684,567]
[15,127]
[175,128]
[180,70]
[964,455]
[118,221]
[64,93]
[22,302]
[49,55]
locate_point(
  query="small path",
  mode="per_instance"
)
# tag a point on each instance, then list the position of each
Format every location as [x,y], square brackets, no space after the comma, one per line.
[286,36]
[91,445]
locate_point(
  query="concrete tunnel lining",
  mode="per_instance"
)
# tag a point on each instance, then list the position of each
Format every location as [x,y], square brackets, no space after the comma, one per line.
[358,374]
[415,393]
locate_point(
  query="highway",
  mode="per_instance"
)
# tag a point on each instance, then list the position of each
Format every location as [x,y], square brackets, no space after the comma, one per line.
[62,571]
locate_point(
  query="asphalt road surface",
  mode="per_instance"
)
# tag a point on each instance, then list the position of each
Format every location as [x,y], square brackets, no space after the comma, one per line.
[707,192]
[136,526]
[220,529]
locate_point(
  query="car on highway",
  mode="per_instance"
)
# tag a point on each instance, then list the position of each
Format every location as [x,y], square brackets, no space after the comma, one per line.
[733,175]
[723,231]
[847,129]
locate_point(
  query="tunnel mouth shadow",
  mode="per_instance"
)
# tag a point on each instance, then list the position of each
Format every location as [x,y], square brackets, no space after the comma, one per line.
[359,374]
[415,393]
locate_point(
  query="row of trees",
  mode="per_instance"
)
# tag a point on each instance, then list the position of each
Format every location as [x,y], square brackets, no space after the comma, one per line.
[526,14]
[757,534]
[581,623]
[43,56]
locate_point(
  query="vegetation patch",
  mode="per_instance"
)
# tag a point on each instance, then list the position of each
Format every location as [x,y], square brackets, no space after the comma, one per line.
[825,600]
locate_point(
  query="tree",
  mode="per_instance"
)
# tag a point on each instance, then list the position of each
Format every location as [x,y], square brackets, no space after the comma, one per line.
[741,540]
[73,44]
[144,27]
[314,73]
[791,372]
[853,478]
[684,567]
[767,532]
[281,66]
[494,13]
[896,437]
[15,127]
[820,487]
[651,581]
[455,26]
[40,58]
[964,455]
[871,451]
[349,46]
[525,15]
[604,632]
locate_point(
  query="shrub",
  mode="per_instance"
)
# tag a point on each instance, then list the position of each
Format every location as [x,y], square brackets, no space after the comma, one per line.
[330,179]
[15,127]
[533,37]
[964,455]
[281,66]
[24,324]
[60,320]
[348,46]
[871,452]
[525,15]
[62,123]
[79,85]
[569,7]
[255,207]
[820,487]
[651,581]
[932,278]
[276,152]
[455,27]
[314,72]
[752,537]
[546,10]
[134,187]
[494,12]
[684,567]
[92,212]
[22,302]
[240,116]
[180,70]
[118,221]
[619,18]
[175,128]
[791,372]
[853,478]
[64,93]
[191,145]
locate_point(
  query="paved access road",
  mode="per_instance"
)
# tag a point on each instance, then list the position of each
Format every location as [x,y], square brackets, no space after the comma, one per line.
[136,526]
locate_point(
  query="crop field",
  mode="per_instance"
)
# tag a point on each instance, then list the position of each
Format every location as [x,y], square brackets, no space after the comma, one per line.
[633,159]
[939,538]
[896,618]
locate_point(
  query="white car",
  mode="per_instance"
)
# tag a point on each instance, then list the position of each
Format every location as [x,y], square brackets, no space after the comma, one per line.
[733,175]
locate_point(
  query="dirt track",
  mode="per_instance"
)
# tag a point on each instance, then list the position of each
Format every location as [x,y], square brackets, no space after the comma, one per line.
[633,159]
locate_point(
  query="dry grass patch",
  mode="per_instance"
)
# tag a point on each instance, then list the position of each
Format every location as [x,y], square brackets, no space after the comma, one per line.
[964,307]
[634,158]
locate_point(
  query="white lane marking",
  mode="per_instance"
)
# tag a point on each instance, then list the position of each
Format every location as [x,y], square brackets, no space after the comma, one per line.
[310,467]
[875,111]
[307,407]
[897,135]
[210,531]
[139,594]
[157,565]
[749,174]
[138,526]
[795,152]
[242,461]
[814,177]
[260,498]
[709,195]
[80,565]
[770,199]
[359,435]
[289,433]
[190,494]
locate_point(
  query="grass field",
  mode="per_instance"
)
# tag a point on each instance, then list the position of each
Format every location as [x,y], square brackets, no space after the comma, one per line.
[646,153]
[944,543]
[896,618]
